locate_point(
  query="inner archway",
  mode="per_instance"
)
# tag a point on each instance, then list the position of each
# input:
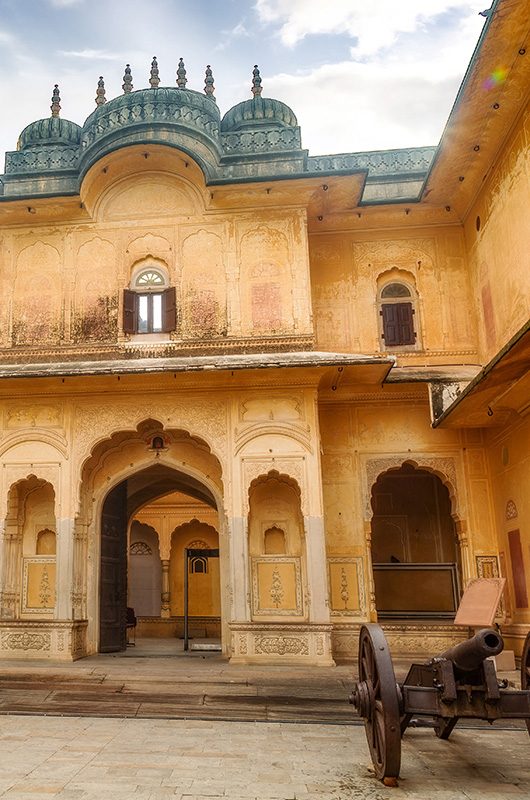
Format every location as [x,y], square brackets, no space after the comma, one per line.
[415,553]
[138,518]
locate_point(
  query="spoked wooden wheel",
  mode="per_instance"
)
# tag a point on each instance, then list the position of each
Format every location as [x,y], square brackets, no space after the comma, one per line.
[525,670]
[375,697]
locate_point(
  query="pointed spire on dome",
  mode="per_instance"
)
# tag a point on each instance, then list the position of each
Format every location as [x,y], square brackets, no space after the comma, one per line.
[56,101]
[209,88]
[100,92]
[127,85]
[154,80]
[181,75]
[256,82]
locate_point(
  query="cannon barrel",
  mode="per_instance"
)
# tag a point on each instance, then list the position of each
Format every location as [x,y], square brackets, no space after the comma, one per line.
[469,655]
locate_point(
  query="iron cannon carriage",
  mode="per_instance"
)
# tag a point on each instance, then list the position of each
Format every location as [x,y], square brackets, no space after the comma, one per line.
[458,684]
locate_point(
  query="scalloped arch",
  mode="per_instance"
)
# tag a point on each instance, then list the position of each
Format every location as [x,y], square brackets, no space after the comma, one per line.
[443,468]
[396,275]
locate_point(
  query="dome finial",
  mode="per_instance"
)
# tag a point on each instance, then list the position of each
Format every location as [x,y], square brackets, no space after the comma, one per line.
[209,88]
[154,80]
[181,75]
[56,101]
[100,92]
[256,81]
[127,84]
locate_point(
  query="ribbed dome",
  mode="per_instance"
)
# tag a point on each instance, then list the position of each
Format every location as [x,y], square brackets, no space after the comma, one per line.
[155,104]
[52,130]
[256,112]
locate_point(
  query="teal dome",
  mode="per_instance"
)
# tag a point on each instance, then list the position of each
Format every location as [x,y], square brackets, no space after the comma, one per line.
[50,131]
[167,104]
[256,112]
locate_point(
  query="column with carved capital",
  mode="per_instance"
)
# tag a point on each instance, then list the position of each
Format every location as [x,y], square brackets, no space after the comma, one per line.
[316,569]
[372,608]
[165,610]
[80,567]
[64,581]
[10,556]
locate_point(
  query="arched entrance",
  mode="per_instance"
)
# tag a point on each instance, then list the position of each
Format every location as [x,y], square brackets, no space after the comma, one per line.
[415,553]
[137,521]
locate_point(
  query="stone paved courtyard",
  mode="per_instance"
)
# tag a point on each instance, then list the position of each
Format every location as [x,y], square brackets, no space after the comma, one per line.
[257,734]
[87,758]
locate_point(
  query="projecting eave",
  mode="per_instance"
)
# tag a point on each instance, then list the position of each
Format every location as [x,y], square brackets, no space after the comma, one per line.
[433,374]
[485,108]
[499,391]
[372,368]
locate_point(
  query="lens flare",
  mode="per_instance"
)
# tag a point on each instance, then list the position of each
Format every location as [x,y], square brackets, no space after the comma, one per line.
[497,77]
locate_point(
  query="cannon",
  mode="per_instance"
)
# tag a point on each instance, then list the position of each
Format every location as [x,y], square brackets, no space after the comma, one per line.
[458,684]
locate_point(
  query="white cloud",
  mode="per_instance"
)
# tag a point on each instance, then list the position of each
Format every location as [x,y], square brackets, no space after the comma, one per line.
[375,24]
[354,106]
[65,3]
[7,38]
[237,32]
[92,55]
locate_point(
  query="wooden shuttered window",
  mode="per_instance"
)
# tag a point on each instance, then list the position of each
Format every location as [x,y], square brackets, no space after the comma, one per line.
[398,324]
[169,309]
[131,311]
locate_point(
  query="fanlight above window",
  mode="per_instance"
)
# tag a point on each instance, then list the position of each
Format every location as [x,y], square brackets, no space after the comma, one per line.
[150,305]
[395,290]
[150,278]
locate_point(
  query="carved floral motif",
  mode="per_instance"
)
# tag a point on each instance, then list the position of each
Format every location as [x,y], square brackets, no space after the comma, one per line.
[276,591]
[281,645]
[25,641]
[207,419]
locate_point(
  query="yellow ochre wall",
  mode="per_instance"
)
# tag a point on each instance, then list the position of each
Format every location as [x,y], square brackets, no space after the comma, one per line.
[499,252]
[347,268]
[237,274]
[509,463]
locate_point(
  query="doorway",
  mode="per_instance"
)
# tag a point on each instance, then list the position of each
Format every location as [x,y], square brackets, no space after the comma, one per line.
[415,552]
[145,519]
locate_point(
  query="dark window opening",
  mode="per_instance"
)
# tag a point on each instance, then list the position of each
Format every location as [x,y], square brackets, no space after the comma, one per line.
[199,564]
[398,324]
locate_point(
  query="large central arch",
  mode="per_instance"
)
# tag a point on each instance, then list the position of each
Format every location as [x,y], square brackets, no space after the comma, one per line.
[119,507]
[125,473]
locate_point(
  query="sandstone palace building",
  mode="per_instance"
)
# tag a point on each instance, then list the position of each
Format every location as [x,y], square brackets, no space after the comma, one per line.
[313,370]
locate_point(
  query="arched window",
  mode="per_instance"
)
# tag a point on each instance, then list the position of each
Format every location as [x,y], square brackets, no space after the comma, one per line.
[396,311]
[199,564]
[149,306]
[274,541]
[46,544]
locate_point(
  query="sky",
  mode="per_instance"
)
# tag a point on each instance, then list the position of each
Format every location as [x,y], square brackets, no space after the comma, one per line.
[359,74]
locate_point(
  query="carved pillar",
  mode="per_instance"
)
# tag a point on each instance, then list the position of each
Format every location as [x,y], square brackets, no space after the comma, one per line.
[239,569]
[165,610]
[316,569]
[10,569]
[466,557]
[79,570]
[65,569]
[372,608]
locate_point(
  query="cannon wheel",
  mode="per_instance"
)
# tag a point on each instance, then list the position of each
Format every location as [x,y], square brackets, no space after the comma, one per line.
[525,670]
[382,725]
